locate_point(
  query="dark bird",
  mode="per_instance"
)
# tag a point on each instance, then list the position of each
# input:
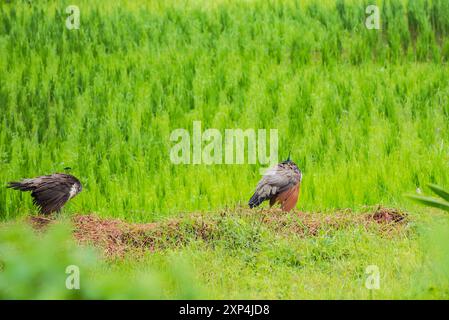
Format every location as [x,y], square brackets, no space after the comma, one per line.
[280,184]
[50,192]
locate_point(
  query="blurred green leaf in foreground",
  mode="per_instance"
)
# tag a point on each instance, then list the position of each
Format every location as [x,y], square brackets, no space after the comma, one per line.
[34,265]
[434,202]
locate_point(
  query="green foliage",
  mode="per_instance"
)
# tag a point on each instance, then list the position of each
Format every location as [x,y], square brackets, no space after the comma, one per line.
[363,111]
[33,266]
[433,202]
[329,265]
[430,279]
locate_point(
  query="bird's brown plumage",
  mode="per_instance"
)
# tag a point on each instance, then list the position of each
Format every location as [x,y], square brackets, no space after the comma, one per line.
[49,192]
[280,184]
[287,199]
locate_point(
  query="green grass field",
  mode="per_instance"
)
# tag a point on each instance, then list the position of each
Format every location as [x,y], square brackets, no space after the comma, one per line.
[365,114]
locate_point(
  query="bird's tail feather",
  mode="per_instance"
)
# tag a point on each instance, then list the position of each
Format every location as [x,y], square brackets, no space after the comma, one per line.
[255,200]
[22,186]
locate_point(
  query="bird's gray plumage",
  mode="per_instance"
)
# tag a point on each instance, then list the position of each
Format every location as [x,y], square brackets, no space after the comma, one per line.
[279,179]
[49,192]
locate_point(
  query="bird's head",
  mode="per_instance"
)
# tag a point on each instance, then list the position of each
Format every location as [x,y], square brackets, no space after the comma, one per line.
[293,165]
[288,159]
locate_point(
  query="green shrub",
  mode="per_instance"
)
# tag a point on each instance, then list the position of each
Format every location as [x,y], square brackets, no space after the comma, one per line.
[33,266]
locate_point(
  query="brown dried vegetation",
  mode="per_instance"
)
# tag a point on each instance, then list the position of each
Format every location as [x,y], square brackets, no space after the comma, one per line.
[116,237]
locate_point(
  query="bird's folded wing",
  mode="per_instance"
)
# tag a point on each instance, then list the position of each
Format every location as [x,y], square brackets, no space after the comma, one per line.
[51,195]
[278,180]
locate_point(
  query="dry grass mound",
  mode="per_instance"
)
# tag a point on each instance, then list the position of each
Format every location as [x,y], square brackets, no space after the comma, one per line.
[116,237]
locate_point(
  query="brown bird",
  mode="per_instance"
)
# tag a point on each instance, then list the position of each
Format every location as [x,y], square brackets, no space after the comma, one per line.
[50,192]
[279,185]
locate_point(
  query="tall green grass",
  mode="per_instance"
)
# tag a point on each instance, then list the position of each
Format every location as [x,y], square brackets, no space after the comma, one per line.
[364,112]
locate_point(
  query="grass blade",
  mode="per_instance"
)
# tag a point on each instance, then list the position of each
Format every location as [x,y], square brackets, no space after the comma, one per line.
[439,191]
[429,201]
